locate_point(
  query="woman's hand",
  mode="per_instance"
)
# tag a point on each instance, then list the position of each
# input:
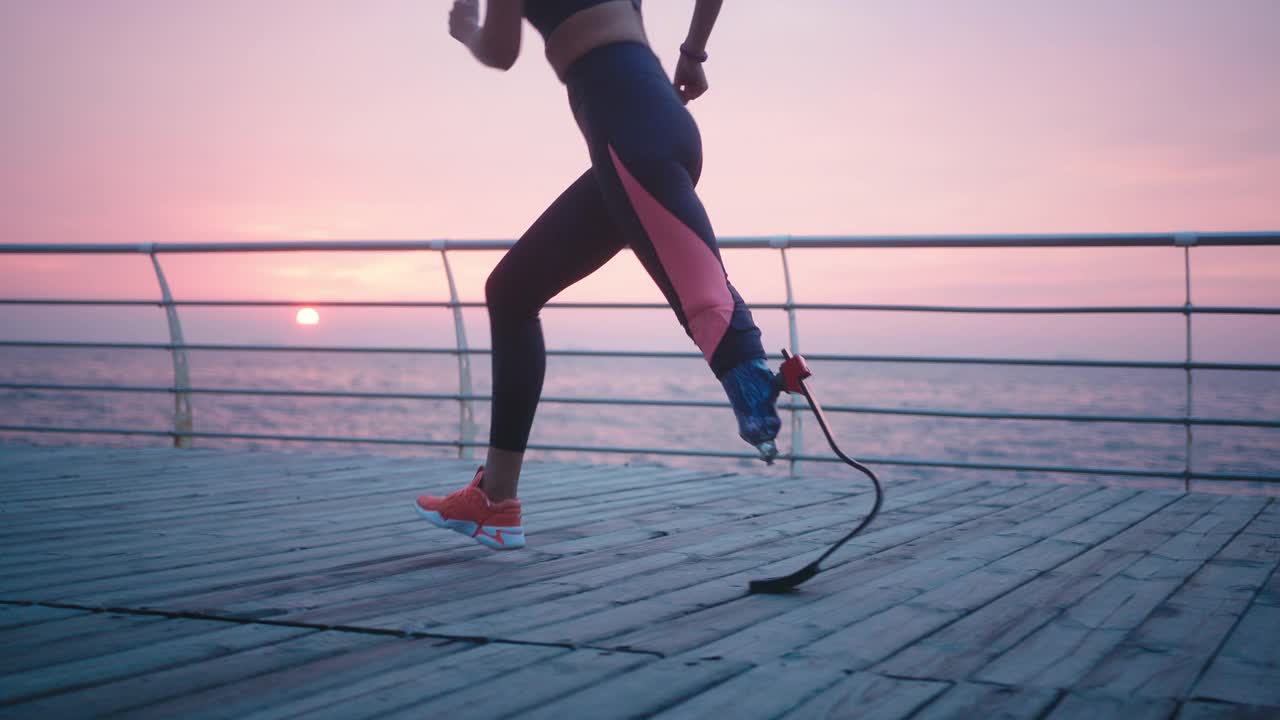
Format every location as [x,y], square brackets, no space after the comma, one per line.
[464,20]
[690,80]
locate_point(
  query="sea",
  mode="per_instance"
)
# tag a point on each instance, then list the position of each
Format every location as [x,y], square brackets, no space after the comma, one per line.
[883,439]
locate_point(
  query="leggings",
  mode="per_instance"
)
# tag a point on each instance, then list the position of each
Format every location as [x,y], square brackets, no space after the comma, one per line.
[646,155]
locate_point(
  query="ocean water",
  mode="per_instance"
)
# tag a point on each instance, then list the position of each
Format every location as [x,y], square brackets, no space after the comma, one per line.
[1094,391]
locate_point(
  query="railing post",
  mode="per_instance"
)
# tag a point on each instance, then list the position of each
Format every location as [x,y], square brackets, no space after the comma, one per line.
[466,415]
[797,427]
[182,422]
[1185,240]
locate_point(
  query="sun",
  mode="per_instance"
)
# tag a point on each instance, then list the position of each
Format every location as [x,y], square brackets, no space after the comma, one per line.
[308,316]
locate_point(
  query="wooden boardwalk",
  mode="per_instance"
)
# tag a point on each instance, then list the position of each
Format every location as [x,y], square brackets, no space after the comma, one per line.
[200,583]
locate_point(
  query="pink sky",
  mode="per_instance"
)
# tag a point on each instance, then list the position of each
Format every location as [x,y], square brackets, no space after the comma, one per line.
[154,120]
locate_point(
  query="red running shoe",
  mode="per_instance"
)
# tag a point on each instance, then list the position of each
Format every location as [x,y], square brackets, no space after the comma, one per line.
[469,511]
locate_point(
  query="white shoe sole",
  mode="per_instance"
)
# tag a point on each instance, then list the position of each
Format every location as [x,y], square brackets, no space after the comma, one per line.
[493,537]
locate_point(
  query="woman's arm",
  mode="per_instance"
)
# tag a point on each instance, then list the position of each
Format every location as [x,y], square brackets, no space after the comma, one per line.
[497,42]
[705,13]
[690,79]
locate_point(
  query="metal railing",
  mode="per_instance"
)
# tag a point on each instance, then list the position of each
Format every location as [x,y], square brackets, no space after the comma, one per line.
[183,430]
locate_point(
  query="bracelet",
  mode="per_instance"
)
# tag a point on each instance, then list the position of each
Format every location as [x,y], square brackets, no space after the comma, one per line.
[699,56]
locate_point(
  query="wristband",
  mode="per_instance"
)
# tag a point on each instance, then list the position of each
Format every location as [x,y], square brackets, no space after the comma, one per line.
[699,56]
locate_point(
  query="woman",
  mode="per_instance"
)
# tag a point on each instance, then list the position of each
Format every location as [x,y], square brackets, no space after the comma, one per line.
[646,156]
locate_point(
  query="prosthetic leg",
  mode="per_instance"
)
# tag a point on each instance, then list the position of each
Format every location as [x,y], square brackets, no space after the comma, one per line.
[794,372]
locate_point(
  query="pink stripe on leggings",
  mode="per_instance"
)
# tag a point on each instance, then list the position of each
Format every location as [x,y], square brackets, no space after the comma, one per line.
[695,271]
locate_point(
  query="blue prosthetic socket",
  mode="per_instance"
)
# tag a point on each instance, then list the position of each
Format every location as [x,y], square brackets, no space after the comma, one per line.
[753,391]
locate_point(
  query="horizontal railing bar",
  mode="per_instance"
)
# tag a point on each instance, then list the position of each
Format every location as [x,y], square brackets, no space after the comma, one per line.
[1177,239]
[242,436]
[1017,310]
[659,451]
[661,355]
[993,309]
[240,348]
[454,397]
[245,303]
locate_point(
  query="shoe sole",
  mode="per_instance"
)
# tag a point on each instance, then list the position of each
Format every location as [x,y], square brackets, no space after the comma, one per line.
[494,538]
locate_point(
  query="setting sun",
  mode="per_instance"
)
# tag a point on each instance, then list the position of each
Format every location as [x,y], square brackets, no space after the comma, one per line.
[308,316]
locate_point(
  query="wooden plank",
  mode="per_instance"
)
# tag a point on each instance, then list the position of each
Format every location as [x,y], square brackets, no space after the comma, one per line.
[764,692]
[866,642]
[239,498]
[961,649]
[132,582]
[583,629]
[807,622]
[51,643]
[524,689]
[198,485]
[1120,551]
[973,590]
[140,540]
[1247,668]
[207,577]
[130,529]
[1064,650]
[91,473]
[461,607]
[1088,506]
[233,500]
[85,672]
[399,509]
[582,618]
[16,616]
[526,615]
[966,701]
[54,463]
[734,631]
[1077,706]
[1041,556]
[1227,711]
[382,684]
[951,541]
[530,623]
[324,565]
[1121,516]
[319,514]
[1270,592]
[182,685]
[1165,655]
[454,599]
[1268,521]
[1139,508]
[188,548]
[114,634]
[868,696]
[265,475]
[154,589]
[63,582]
[641,692]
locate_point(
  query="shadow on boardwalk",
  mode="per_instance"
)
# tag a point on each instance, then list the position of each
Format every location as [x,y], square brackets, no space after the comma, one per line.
[199,583]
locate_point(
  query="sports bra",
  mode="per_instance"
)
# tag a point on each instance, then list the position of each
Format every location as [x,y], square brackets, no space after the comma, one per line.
[546,15]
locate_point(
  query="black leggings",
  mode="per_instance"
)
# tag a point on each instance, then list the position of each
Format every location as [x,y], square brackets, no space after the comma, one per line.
[646,155]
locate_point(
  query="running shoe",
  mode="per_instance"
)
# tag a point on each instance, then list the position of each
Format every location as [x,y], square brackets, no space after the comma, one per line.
[469,511]
[753,392]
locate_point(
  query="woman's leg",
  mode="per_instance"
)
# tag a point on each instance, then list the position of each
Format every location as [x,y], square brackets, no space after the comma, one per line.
[652,199]
[574,237]
[647,153]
